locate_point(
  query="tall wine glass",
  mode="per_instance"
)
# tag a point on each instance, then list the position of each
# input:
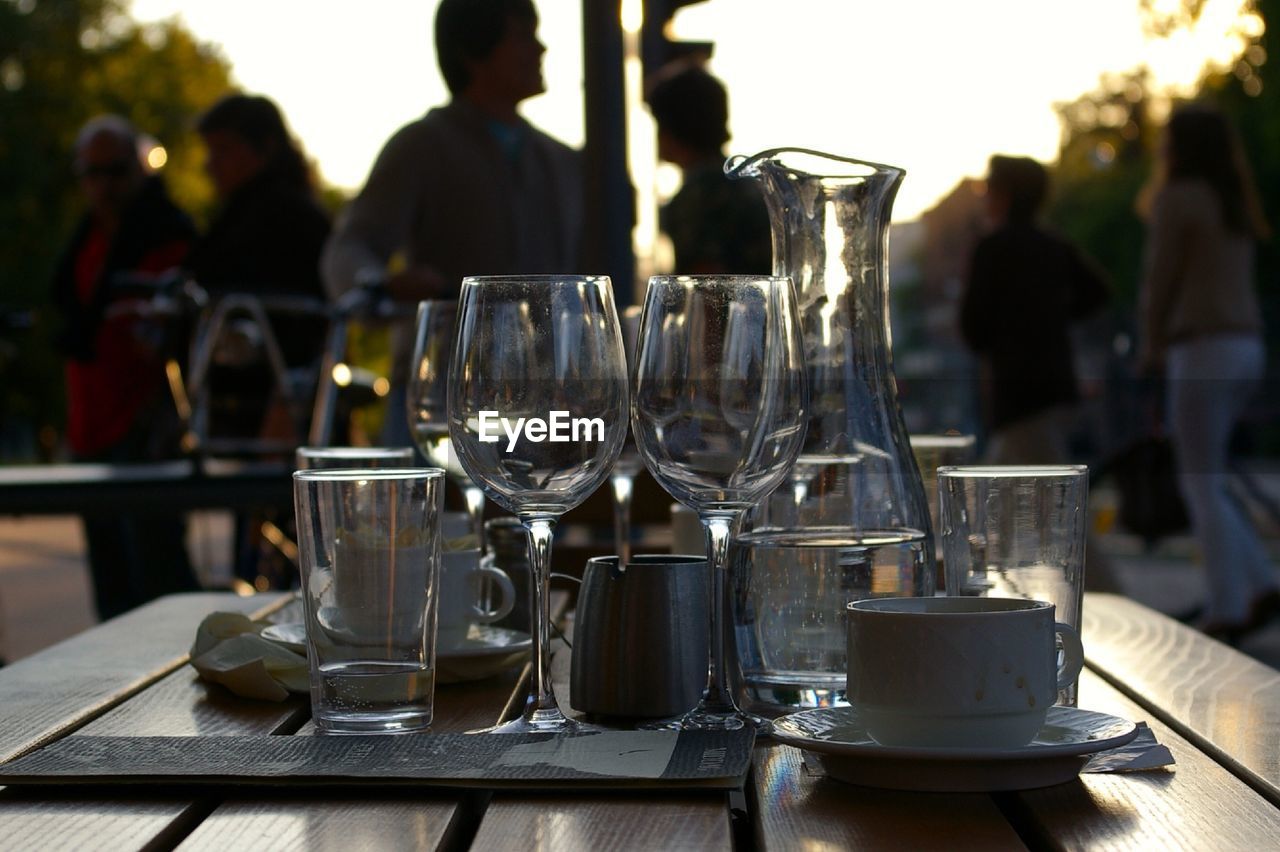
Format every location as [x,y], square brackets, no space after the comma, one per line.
[718,413]
[538,414]
[622,478]
[428,401]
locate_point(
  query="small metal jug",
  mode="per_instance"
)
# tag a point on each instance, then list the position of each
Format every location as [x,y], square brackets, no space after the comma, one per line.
[640,636]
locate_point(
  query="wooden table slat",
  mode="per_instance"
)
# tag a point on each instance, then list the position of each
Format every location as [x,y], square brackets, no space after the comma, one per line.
[35,819]
[62,687]
[1225,702]
[108,664]
[666,822]
[342,825]
[1196,805]
[182,705]
[797,810]
[400,823]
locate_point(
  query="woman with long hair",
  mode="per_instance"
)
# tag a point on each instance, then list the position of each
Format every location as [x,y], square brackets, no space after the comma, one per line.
[265,239]
[1201,324]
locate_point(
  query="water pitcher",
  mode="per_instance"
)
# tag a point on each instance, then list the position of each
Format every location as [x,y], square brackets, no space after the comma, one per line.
[853,521]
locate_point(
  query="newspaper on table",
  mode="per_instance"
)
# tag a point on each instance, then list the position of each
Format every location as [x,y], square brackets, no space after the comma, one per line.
[608,760]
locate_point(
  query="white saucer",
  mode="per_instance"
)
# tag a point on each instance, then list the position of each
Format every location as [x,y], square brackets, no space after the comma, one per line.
[484,652]
[1055,756]
[289,634]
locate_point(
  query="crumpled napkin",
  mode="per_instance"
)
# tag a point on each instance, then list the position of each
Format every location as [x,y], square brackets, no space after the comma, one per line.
[1142,752]
[229,649]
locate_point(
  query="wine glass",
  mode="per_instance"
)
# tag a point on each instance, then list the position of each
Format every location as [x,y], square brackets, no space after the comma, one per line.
[718,414]
[538,414]
[428,401]
[622,478]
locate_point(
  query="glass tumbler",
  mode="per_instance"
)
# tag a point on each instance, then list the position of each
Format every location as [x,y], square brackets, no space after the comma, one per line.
[1017,532]
[370,561]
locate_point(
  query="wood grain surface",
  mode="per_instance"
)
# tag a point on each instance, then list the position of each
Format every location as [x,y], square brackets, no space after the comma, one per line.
[182,705]
[56,690]
[343,825]
[1224,702]
[104,666]
[400,822]
[124,678]
[796,810]
[1197,804]
[529,823]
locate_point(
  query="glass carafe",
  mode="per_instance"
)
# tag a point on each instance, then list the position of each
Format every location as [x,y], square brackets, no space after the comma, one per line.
[853,521]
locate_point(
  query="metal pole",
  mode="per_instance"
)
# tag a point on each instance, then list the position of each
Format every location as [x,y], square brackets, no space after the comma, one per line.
[610,202]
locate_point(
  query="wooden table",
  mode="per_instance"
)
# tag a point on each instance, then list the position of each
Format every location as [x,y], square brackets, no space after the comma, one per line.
[1218,711]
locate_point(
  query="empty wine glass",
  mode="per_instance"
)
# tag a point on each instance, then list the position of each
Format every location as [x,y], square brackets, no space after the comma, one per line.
[718,414]
[622,478]
[538,414]
[428,401]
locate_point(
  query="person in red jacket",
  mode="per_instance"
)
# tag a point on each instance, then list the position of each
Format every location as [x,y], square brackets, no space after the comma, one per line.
[118,407]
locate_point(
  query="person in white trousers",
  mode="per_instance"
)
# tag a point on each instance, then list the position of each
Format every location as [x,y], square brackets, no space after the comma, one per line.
[1201,324]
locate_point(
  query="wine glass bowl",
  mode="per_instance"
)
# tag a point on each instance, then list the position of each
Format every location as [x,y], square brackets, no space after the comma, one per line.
[718,415]
[537,413]
[428,400]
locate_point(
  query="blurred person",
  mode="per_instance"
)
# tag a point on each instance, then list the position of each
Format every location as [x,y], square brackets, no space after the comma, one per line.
[716,225]
[1025,289]
[265,239]
[1201,325]
[118,407]
[471,188]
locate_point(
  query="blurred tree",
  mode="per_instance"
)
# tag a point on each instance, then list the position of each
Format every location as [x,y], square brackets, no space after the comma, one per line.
[1107,152]
[62,62]
[1249,92]
[1110,136]
[1103,161]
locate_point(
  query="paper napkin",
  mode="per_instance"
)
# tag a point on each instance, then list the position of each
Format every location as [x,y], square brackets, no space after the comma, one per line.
[229,649]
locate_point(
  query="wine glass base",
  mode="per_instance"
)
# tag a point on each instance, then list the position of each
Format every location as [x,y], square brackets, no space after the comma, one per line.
[702,720]
[541,724]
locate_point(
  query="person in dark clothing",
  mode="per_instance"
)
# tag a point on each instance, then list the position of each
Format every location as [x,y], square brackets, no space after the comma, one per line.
[266,240]
[715,224]
[1026,287]
[118,407]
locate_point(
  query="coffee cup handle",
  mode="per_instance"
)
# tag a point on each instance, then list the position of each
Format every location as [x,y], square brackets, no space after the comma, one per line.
[507,592]
[1072,654]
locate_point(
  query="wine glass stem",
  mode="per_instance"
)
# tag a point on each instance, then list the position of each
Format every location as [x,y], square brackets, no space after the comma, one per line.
[475,508]
[716,698]
[542,700]
[622,516]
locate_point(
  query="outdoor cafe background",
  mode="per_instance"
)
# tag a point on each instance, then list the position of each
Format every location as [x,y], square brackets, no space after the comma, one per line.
[934,87]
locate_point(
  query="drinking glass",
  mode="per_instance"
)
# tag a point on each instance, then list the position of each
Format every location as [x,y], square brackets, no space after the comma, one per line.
[370,562]
[1017,532]
[719,417]
[538,414]
[428,401]
[933,452]
[333,458]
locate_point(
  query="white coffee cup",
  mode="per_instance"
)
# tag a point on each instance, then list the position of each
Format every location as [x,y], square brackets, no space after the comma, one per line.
[459,595]
[956,672]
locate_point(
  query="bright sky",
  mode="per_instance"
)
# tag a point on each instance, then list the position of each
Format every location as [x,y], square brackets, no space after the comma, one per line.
[934,86]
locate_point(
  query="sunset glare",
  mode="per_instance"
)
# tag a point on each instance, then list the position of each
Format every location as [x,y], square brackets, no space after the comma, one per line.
[934,87]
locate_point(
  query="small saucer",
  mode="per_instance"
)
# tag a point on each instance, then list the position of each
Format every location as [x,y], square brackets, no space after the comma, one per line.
[288,634]
[1055,756]
[484,652]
